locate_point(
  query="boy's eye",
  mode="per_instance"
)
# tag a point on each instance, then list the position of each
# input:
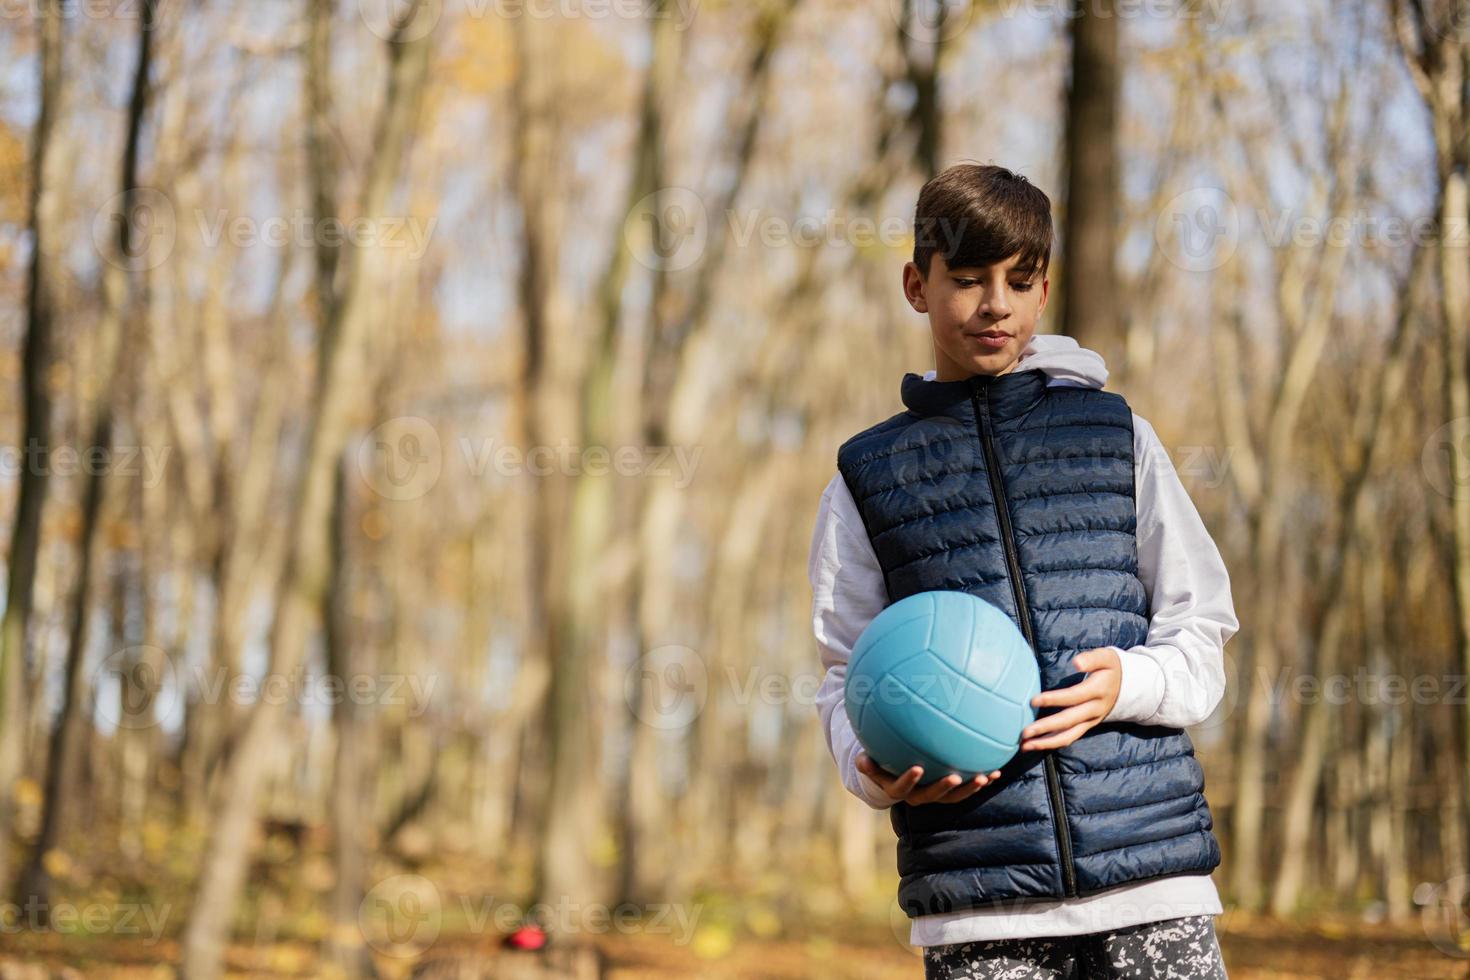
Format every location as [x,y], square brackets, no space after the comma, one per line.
[1020,287]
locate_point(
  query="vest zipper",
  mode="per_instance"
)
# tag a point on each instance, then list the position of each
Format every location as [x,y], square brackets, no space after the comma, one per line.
[980,397]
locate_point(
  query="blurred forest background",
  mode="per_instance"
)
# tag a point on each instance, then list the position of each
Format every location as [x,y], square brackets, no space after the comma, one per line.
[415,413]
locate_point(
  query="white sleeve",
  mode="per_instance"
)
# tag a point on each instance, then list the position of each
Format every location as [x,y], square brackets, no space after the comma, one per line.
[847,592]
[1177,677]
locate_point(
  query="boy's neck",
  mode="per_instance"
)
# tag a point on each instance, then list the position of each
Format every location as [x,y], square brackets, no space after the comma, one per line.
[947,370]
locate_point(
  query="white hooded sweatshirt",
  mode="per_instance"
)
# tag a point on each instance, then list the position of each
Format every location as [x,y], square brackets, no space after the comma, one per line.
[1175,678]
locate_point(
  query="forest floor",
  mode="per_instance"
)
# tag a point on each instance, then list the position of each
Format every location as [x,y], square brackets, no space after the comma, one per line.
[126,919]
[1256,948]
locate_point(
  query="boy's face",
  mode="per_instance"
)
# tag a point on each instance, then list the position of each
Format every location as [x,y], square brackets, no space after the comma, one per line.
[982,317]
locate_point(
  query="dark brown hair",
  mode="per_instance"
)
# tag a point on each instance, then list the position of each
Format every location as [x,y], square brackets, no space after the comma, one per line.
[979,214]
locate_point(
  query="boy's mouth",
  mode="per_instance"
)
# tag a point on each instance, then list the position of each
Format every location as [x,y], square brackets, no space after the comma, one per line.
[991,339]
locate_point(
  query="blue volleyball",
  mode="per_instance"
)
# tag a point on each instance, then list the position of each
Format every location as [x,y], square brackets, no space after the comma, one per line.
[943,680]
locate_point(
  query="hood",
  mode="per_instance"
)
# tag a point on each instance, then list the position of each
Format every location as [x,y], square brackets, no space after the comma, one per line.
[1061,358]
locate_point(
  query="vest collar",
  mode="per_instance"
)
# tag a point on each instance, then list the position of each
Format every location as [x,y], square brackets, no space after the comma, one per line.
[1010,395]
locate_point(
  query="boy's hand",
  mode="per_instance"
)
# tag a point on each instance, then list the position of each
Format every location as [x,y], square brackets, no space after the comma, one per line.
[1091,700]
[906,789]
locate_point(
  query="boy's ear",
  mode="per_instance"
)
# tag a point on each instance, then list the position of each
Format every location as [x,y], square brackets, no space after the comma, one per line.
[913,288]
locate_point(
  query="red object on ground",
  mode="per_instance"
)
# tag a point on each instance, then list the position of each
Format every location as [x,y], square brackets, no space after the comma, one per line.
[526,937]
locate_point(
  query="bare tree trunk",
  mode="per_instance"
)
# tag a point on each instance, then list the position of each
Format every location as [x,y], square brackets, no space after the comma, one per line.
[227,494]
[345,946]
[243,551]
[1089,276]
[299,596]
[1377,760]
[1393,736]
[641,803]
[712,809]
[676,369]
[143,672]
[924,46]
[559,790]
[1449,772]
[25,533]
[1436,53]
[1342,811]
[1354,521]
[1307,279]
[71,729]
[1455,283]
[543,497]
[1300,814]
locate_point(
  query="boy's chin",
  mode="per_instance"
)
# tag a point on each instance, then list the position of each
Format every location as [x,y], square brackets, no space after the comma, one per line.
[971,362]
[999,362]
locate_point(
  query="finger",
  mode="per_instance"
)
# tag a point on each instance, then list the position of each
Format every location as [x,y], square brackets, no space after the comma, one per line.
[905,783]
[968,788]
[981,782]
[882,776]
[1074,694]
[1057,741]
[1089,687]
[1094,659]
[878,774]
[1062,719]
[1086,660]
[935,790]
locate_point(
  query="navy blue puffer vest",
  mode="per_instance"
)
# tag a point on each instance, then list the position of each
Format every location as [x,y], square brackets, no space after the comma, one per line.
[1022,493]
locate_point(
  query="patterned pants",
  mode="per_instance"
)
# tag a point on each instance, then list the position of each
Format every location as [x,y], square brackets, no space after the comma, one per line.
[1172,949]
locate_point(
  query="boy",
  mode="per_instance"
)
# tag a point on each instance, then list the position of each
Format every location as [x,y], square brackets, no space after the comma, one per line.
[1013,476]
